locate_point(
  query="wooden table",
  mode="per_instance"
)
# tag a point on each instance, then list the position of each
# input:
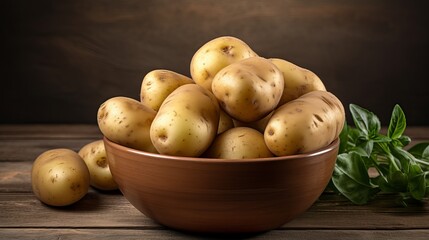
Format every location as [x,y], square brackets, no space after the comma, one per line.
[110,216]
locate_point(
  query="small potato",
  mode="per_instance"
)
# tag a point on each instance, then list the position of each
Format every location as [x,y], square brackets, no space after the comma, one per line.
[186,122]
[250,89]
[305,124]
[225,122]
[215,55]
[95,159]
[59,177]
[158,84]
[298,80]
[257,125]
[239,143]
[127,122]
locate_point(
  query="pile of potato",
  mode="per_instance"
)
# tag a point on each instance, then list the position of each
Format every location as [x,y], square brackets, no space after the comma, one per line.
[237,105]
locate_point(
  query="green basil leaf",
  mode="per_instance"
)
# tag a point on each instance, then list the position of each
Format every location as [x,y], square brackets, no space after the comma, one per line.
[402,141]
[381,138]
[399,180]
[403,159]
[353,134]
[397,123]
[427,183]
[425,154]
[386,186]
[417,183]
[362,152]
[366,121]
[418,149]
[351,178]
[344,139]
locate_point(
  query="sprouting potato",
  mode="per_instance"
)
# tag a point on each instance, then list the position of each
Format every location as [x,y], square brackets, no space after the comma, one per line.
[186,122]
[127,122]
[215,55]
[250,89]
[95,159]
[305,124]
[59,177]
[158,84]
[298,80]
[239,143]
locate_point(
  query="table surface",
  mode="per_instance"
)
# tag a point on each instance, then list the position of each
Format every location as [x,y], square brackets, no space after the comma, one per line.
[109,215]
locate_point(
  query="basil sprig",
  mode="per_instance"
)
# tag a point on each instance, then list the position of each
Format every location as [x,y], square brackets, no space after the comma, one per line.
[363,148]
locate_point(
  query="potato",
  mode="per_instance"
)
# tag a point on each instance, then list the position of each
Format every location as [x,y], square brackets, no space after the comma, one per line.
[158,84]
[239,143]
[186,122]
[59,177]
[257,125]
[215,55]
[95,159]
[225,122]
[305,124]
[127,122]
[250,89]
[297,80]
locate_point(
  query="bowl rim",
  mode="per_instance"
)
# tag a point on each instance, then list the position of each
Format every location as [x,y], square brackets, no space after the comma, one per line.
[332,146]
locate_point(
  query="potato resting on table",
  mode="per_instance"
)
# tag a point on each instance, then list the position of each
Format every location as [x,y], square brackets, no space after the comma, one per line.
[94,156]
[59,177]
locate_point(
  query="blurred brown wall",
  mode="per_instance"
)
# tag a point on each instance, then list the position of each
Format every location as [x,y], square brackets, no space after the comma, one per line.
[62,59]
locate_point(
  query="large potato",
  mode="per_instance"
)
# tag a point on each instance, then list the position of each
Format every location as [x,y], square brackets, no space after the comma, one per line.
[127,122]
[250,89]
[298,80]
[59,177]
[215,55]
[305,124]
[95,159]
[186,122]
[158,84]
[239,143]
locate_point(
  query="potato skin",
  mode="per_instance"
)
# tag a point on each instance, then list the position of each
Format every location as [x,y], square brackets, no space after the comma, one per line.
[239,143]
[186,122]
[59,177]
[257,125]
[305,124]
[158,84]
[297,80]
[127,122]
[250,89]
[215,55]
[94,156]
[225,122]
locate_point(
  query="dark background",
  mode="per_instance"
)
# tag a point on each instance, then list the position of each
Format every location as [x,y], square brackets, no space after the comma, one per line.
[62,59]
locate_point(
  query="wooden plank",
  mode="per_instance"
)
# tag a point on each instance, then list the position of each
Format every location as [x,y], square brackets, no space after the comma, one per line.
[96,209]
[15,177]
[99,209]
[108,233]
[29,149]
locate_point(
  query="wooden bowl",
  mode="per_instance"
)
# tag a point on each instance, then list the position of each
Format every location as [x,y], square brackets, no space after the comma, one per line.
[219,195]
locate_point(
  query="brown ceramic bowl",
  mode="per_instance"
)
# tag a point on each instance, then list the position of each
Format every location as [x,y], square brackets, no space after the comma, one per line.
[218,195]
